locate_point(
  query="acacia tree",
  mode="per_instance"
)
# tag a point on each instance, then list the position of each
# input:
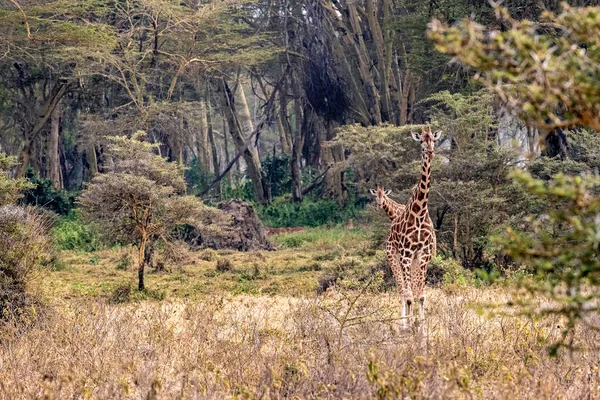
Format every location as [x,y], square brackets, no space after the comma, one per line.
[142,199]
[547,73]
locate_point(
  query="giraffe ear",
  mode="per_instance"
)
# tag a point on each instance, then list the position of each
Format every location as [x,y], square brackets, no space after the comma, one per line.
[437,135]
[387,192]
[372,192]
[416,136]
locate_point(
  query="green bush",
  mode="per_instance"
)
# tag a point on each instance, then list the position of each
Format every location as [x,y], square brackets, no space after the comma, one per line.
[44,195]
[71,233]
[308,213]
[448,271]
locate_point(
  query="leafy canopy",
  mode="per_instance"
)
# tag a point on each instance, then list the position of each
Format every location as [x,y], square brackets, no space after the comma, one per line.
[547,71]
[143,197]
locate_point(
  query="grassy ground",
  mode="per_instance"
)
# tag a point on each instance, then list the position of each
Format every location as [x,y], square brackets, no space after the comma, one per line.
[267,334]
[293,270]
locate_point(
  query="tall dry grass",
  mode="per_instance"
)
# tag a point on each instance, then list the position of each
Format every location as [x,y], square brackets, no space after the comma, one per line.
[340,345]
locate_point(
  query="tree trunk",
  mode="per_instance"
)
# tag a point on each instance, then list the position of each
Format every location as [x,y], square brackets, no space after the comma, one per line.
[364,66]
[405,97]
[297,145]
[380,48]
[202,145]
[56,94]
[227,157]
[141,262]
[253,164]
[53,169]
[213,146]
[283,124]
[92,160]
[246,121]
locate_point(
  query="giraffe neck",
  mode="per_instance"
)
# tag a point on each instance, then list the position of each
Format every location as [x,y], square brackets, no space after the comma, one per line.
[390,207]
[420,196]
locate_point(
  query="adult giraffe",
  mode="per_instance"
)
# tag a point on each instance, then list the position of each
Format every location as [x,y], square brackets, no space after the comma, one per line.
[412,242]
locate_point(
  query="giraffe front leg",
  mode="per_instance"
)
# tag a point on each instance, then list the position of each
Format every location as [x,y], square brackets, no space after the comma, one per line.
[407,292]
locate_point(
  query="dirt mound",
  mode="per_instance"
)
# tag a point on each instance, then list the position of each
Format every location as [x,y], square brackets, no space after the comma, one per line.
[247,234]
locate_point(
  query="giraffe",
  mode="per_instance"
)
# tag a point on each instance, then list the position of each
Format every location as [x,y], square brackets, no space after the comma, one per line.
[392,209]
[412,242]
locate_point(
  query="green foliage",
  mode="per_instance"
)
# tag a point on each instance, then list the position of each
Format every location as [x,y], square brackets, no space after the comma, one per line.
[197,178]
[448,271]
[546,71]
[72,233]
[308,213]
[44,195]
[277,174]
[560,246]
[10,189]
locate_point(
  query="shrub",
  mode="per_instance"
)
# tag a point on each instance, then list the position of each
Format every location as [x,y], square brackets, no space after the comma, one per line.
[73,234]
[44,195]
[307,213]
[224,265]
[326,281]
[121,294]
[124,263]
[25,247]
[447,270]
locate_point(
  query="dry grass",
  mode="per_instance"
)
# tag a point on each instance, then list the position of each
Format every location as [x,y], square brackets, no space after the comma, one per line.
[223,342]
[282,347]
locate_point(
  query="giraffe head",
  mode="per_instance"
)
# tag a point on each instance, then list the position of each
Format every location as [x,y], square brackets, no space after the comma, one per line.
[381,195]
[427,139]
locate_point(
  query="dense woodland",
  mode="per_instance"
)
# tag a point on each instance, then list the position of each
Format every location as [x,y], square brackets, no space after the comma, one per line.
[251,97]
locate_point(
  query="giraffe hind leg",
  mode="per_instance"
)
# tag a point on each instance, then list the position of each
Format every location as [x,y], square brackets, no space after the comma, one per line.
[421,276]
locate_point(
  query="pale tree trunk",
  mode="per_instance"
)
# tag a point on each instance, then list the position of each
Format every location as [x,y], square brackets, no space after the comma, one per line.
[250,155]
[92,160]
[382,64]
[53,169]
[56,94]
[227,158]
[246,119]
[213,146]
[202,144]
[405,97]
[297,144]
[283,125]
[364,66]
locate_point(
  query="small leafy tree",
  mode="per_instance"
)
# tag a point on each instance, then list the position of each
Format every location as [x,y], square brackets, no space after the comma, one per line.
[142,200]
